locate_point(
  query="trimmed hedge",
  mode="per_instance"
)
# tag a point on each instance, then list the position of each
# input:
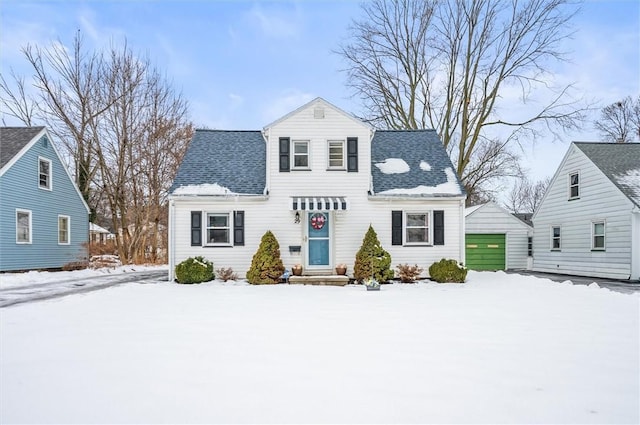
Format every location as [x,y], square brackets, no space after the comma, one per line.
[194,270]
[447,271]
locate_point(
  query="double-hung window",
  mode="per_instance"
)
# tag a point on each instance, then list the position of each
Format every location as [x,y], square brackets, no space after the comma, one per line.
[336,155]
[555,238]
[63,230]
[574,185]
[598,235]
[417,228]
[301,154]
[218,229]
[23,226]
[44,173]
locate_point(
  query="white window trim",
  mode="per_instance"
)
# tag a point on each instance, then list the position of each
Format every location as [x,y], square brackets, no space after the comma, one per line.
[30,227]
[569,197]
[293,154]
[593,235]
[559,238]
[68,242]
[344,155]
[50,186]
[405,239]
[206,227]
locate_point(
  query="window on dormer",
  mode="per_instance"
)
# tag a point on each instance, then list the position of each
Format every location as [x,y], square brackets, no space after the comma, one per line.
[44,173]
[336,154]
[301,154]
[574,185]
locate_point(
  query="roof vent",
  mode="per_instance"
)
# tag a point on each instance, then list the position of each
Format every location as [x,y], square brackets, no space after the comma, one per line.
[318,112]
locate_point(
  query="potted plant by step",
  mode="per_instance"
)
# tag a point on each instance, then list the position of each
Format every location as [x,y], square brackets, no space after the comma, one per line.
[371,284]
[341,269]
[297,270]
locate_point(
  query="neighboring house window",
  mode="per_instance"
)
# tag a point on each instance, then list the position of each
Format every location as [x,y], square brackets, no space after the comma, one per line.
[555,238]
[44,173]
[530,246]
[63,230]
[598,235]
[301,154]
[336,154]
[574,185]
[23,226]
[217,229]
[417,228]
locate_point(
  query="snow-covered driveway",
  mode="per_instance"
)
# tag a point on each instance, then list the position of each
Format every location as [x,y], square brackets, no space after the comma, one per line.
[499,349]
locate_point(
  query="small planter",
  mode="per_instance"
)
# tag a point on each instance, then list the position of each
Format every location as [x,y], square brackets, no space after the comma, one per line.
[341,269]
[372,285]
[297,270]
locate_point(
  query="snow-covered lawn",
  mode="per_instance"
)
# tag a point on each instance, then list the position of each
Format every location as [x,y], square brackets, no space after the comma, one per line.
[498,349]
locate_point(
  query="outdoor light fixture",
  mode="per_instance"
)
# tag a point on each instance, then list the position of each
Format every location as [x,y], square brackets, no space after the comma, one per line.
[297,217]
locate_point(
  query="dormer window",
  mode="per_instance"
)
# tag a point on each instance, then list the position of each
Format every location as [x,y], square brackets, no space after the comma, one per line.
[301,154]
[574,185]
[336,155]
[44,173]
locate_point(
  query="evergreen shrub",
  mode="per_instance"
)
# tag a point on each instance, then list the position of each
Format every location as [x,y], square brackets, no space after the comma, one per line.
[266,265]
[447,271]
[372,261]
[194,270]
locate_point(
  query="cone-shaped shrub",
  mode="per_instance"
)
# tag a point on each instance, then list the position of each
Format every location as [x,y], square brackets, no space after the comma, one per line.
[266,266]
[372,260]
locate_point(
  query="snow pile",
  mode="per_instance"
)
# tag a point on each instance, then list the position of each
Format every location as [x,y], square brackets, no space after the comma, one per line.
[501,348]
[631,181]
[424,166]
[450,187]
[393,166]
[203,189]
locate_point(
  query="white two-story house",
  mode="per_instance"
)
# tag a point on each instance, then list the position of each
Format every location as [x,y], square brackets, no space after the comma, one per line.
[317,178]
[588,222]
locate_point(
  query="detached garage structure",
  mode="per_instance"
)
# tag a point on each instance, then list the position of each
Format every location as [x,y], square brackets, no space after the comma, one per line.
[496,239]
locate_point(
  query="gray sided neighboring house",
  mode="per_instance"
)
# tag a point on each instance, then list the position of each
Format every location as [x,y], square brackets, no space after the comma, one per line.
[44,221]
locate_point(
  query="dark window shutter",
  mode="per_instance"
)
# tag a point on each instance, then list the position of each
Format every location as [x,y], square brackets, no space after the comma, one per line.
[396,227]
[196,228]
[352,154]
[284,154]
[238,228]
[438,227]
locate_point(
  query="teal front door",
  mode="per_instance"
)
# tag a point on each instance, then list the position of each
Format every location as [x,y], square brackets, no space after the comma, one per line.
[318,240]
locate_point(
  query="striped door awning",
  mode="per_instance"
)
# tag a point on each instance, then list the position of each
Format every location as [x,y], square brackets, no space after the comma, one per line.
[319,203]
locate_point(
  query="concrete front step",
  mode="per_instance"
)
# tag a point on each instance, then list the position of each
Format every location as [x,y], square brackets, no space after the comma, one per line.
[333,280]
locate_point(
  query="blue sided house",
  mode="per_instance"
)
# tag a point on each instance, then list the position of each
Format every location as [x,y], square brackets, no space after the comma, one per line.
[44,220]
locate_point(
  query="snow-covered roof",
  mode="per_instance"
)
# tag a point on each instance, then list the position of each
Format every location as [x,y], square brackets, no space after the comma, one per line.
[412,163]
[212,189]
[97,229]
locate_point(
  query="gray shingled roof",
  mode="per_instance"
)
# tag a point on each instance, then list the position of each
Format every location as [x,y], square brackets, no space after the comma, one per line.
[13,139]
[616,160]
[413,146]
[232,159]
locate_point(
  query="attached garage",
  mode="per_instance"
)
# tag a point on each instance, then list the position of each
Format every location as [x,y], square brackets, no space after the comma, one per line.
[485,251]
[495,239]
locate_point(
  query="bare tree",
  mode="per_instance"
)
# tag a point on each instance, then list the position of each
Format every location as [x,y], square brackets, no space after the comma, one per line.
[125,128]
[68,83]
[446,65]
[17,103]
[620,121]
[525,196]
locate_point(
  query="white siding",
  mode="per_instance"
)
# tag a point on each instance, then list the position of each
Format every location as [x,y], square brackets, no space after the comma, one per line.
[490,218]
[599,200]
[274,212]
[348,230]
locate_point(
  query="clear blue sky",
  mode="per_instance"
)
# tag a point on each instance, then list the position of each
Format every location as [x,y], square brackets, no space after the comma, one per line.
[243,64]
